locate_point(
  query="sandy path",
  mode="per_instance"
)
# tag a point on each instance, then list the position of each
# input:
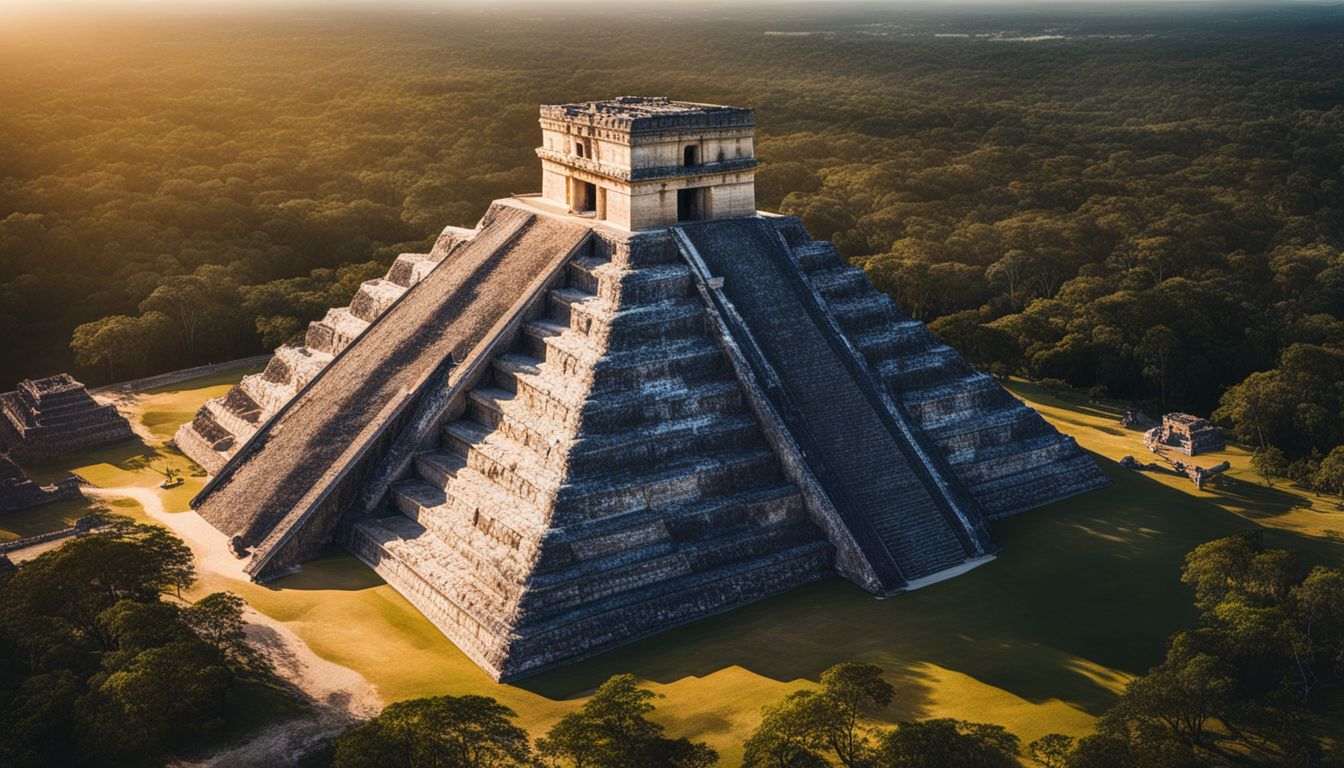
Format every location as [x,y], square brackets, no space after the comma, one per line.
[339,695]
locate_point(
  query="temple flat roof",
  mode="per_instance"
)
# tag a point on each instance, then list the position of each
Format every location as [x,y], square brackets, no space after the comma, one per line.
[636,113]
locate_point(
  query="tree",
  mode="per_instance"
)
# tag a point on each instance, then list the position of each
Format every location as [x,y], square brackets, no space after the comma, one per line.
[790,734]
[1158,344]
[1178,697]
[1051,750]
[440,732]
[120,341]
[217,619]
[1269,463]
[1236,566]
[948,743]
[1330,474]
[612,729]
[851,691]
[795,731]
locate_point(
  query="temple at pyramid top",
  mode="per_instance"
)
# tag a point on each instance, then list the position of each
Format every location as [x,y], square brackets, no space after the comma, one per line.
[639,162]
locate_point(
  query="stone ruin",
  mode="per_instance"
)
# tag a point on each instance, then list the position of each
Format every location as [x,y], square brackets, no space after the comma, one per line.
[1188,434]
[45,418]
[632,402]
[18,491]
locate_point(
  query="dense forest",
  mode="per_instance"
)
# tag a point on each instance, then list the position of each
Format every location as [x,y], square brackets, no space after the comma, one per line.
[1152,210]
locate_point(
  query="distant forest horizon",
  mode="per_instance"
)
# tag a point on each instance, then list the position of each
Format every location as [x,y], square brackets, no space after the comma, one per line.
[1144,206]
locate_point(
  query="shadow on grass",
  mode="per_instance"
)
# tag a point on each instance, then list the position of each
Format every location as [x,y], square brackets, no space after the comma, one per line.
[130,454]
[1253,500]
[1084,589]
[334,569]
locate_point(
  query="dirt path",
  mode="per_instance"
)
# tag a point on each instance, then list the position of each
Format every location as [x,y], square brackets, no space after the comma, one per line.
[339,695]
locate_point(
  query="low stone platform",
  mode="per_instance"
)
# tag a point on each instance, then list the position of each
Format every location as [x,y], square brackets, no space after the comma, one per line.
[18,491]
[46,418]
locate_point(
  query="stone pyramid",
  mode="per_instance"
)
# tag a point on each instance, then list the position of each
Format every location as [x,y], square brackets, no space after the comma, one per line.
[608,412]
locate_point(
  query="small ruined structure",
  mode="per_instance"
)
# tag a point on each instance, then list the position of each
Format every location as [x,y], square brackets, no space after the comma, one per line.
[18,491]
[631,402]
[45,418]
[1188,434]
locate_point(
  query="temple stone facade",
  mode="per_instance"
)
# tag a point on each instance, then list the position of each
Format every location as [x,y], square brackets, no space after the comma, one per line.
[1188,434]
[576,431]
[45,418]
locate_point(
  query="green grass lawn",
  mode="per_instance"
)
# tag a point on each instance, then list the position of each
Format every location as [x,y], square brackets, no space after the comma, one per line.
[1082,596]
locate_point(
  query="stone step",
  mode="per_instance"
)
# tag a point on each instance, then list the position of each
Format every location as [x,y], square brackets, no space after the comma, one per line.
[641,448]
[963,437]
[864,313]
[631,327]
[698,477]
[295,366]
[446,572]
[894,340]
[1013,458]
[939,365]
[467,488]
[497,409]
[373,299]
[670,601]
[464,436]
[632,287]
[240,428]
[268,395]
[698,519]
[334,332]
[841,283]
[692,358]
[977,392]
[651,566]
[818,255]
[1015,493]
[410,268]
[555,399]
[533,477]
[495,544]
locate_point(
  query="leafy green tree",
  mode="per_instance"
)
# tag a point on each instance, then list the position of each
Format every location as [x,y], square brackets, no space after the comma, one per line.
[791,734]
[1051,750]
[1329,476]
[1269,463]
[831,719]
[612,729]
[440,732]
[948,743]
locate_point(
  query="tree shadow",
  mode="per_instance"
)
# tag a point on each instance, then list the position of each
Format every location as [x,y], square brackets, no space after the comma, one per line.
[333,569]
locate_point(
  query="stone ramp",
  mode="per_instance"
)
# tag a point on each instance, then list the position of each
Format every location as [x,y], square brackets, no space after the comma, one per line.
[224,424]
[1006,456]
[895,504]
[286,488]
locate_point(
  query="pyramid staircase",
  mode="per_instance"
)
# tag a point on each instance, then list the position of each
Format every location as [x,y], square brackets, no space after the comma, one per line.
[605,480]
[224,424]
[1007,456]
[909,524]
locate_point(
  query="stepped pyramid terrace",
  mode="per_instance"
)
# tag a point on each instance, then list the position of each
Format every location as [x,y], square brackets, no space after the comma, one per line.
[626,403]
[44,418]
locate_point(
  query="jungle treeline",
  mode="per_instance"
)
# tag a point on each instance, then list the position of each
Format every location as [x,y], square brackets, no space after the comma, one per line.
[1152,211]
